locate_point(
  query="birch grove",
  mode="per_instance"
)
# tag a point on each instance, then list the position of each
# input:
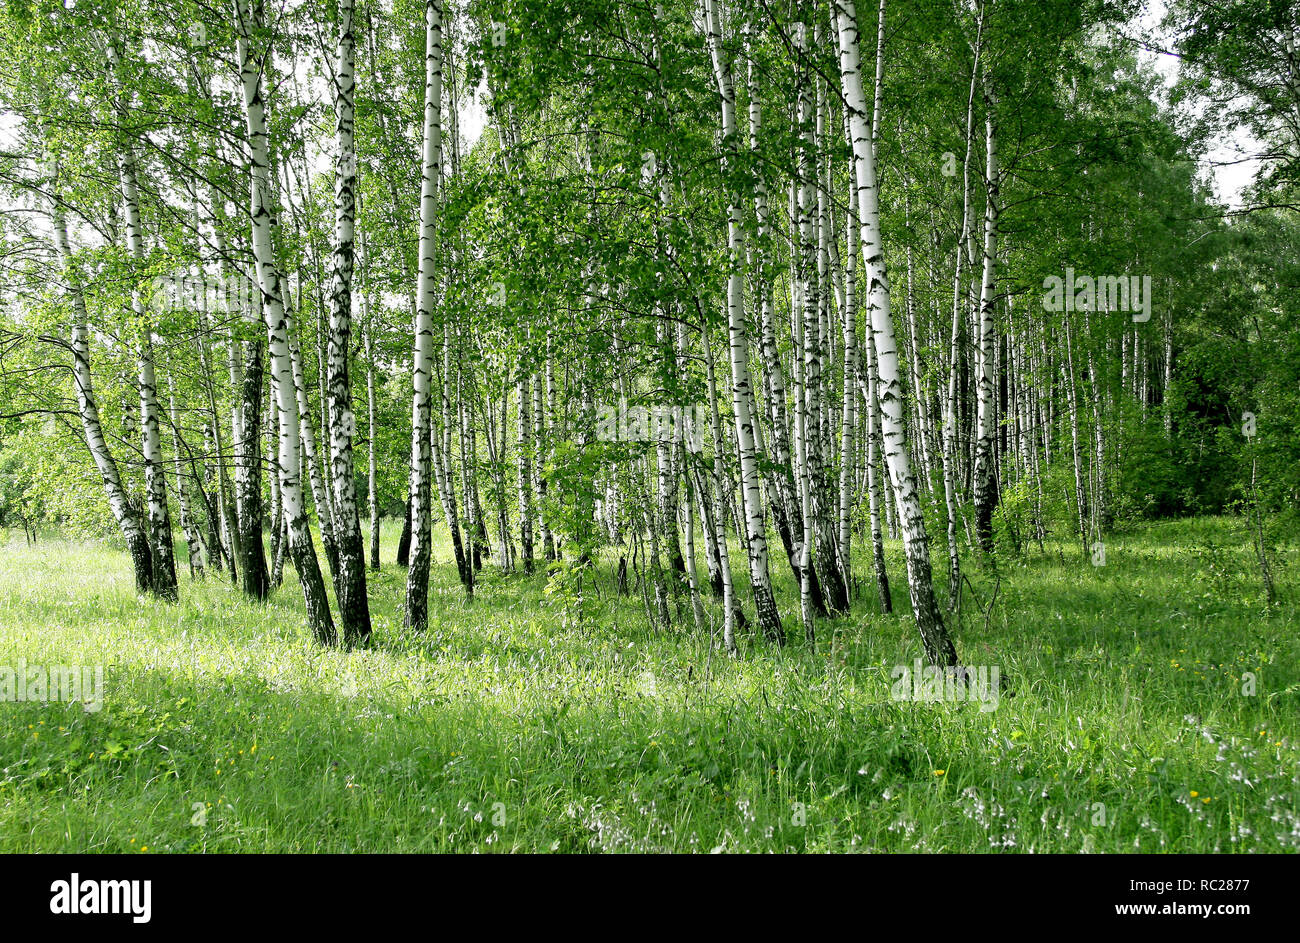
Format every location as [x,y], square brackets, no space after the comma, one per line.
[731,312]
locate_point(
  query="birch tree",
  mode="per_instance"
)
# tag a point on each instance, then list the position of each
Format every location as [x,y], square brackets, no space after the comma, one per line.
[938,644]
[128,518]
[252,60]
[354,609]
[769,619]
[417,577]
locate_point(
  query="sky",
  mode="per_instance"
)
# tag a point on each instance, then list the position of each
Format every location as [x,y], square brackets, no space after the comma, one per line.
[1227,161]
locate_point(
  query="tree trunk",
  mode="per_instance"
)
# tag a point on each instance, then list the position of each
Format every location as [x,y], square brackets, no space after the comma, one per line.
[938,644]
[119,501]
[417,577]
[303,551]
[769,619]
[155,475]
[354,608]
[984,486]
[372,480]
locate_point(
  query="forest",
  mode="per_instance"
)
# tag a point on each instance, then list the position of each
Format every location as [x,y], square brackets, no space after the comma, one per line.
[682,426]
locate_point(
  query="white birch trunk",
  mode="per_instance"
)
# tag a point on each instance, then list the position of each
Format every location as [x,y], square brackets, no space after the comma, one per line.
[249,26]
[119,501]
[984,485]
[938,644]
[417,580]
[354,608]
[769,618]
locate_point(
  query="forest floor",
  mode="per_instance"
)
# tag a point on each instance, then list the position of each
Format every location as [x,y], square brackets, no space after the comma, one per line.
[1127,721]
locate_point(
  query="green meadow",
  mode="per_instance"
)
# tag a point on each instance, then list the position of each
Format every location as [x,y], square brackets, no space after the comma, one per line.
[1148,705]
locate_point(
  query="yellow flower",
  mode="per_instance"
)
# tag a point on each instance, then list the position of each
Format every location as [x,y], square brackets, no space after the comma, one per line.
[1206,800]
[939,772]
[1195,793]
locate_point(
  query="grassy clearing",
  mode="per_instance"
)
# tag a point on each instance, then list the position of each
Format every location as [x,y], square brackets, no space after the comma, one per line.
[512,726]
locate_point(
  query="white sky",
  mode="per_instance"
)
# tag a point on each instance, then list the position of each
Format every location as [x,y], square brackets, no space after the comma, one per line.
[1228,163]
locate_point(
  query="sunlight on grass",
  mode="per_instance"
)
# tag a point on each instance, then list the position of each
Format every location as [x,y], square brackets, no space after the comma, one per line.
[1123,726]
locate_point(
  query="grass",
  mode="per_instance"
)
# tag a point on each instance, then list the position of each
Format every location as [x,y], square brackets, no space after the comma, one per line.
[511,726]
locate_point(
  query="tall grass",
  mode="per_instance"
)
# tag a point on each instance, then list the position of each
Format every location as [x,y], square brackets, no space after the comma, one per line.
[511,725]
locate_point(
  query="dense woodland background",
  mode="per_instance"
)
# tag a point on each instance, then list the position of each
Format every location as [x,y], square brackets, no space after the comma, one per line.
[735,320]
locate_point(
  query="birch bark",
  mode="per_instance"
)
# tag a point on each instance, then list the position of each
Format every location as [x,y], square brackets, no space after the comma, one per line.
[938,644]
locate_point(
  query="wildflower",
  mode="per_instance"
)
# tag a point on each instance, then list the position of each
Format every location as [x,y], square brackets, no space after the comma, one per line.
[939,772]
[1195,793]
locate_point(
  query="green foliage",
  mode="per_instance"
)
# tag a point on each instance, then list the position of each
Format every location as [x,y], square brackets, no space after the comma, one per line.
[49,481]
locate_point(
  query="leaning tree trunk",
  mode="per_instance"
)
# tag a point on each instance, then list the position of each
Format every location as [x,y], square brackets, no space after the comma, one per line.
[938,644]
[124,512]
[819,341]
[403,556]
[848,407]
[315,479]
[876,495]
[301,548]
[354,608]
